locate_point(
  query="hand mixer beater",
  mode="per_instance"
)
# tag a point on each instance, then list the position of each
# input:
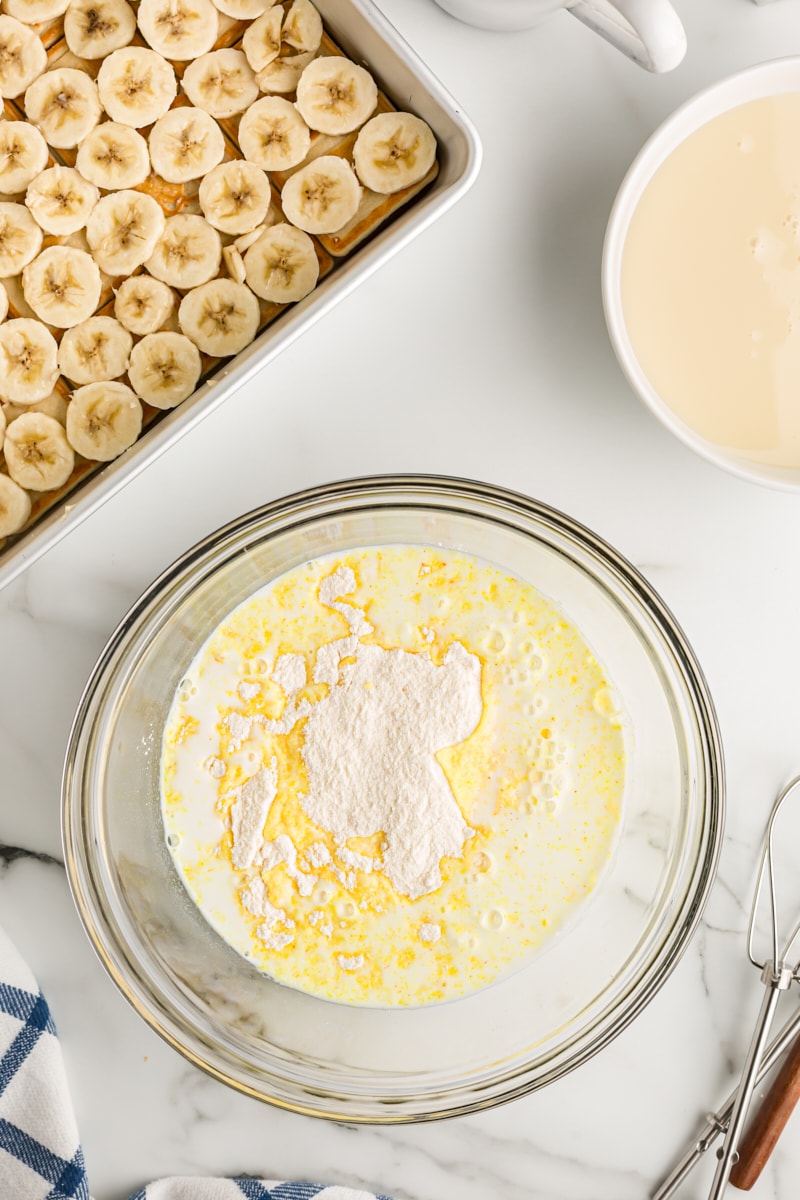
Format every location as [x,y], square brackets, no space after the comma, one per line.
[777,972]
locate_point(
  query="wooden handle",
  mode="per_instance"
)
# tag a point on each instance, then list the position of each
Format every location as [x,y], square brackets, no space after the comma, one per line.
[766,1127]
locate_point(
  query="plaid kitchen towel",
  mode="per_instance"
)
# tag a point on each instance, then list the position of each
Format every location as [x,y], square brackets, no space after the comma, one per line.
[40,1151]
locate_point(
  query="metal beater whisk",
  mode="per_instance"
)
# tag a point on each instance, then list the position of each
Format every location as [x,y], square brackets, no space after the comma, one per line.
[777,973]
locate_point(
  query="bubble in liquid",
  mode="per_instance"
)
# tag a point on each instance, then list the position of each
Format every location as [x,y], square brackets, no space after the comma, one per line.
[173,840]
[483,861]
[494,919]
[186,684]
[497,641]
[547,791]
[321,896]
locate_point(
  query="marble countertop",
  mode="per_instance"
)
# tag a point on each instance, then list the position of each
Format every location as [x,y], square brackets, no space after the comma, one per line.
[480,351]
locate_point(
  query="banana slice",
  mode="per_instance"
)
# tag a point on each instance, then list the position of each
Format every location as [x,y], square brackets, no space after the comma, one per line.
[3,310]
[96,28]
[323,196]
[282,266]
[20,239]
[103,419]
[96,350]
[261,41]
[187,254]
[273,135]
[302,27]
[53,405]
[28,361]
[235,196]
[234,263]
[62,286]
[22,57]
[136,86]
[186,143]
[113,156]
[243,10]
[249,239]
[60,200]
[220,317]
[221,83]
[283,75]
[335,95]
[64,104]
[143,304]
[179,29]
[23,155]
[15,506]
[35,12]
[165,368]
[38,455]
[123,230]
[393,151]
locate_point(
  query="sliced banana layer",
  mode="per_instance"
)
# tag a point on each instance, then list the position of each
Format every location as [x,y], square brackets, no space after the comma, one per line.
[136,86]
[15,506]
[235,196]
[143,304]
[323,196]
[186,143]
[22,57]
[165,368]
[335,95]
[28,361]
[35,12]
[221,83]
[179,29]
[123,230]
[103,419]
[20,238]
[187,254]
[283,75]
[282,266]
[96,28]
[243,10]
[62,286]
[220,317]
[96,350]
[37,453]
[273,135]
[64,104]
[23,155]
[60,200]
[393,151]
[113,156]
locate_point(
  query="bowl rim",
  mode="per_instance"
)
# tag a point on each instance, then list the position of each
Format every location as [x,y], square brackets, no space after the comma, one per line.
[421,489]
[725,94]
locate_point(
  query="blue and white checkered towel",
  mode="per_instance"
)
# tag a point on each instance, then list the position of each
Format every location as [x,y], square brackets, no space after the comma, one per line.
[40,1151]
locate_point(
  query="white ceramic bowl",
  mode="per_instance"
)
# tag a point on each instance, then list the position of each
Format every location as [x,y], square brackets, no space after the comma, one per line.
[766,79]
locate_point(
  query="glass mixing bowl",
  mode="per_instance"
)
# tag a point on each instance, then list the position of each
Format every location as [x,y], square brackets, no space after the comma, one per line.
[382,1065]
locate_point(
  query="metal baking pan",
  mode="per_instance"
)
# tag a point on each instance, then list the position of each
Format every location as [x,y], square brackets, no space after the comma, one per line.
[360,30]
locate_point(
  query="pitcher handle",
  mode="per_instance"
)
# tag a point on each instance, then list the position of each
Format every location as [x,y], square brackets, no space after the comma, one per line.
[648,31]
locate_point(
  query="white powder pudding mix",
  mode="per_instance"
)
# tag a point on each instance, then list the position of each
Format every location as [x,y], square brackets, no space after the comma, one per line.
[391,775]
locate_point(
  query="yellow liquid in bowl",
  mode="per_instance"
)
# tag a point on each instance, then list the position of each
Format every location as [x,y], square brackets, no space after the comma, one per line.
[711,281]
[391,775]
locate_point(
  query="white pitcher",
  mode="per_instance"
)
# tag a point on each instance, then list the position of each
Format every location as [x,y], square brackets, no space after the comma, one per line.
[648,31]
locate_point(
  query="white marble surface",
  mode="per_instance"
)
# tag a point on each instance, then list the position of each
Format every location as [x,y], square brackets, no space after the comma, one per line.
[487,342]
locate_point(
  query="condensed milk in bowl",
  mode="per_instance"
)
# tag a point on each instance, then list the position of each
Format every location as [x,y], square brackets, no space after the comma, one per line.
[701,274]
